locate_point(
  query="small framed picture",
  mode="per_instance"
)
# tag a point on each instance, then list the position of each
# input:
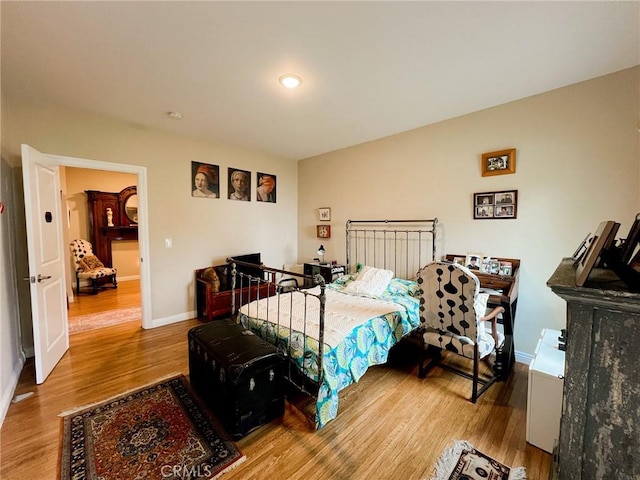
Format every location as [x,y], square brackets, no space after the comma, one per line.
[324,214]
[473,261]
[582,248]
[323,231]
[632,242]
[499,163]
[603,236]
[459,260]
[495,205]
[490,265]
[506,268]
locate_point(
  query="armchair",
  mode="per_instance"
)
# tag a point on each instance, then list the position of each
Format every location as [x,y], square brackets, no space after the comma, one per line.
[453,314]
[89,267]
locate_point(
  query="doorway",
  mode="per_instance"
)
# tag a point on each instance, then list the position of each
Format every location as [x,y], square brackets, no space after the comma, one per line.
[138,177]
[110,306]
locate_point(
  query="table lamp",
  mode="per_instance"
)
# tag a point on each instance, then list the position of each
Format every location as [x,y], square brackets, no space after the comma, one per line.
[321,252]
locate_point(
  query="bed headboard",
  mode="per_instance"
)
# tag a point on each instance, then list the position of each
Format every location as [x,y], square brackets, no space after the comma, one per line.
[403,246]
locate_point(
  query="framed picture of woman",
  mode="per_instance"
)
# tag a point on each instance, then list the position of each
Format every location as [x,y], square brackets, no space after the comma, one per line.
[205,180]
[239,185]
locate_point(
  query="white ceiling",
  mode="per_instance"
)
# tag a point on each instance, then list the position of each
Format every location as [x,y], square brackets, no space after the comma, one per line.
[370,69]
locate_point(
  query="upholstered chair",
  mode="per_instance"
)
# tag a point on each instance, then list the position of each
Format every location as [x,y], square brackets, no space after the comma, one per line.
[88,266]
[453,316]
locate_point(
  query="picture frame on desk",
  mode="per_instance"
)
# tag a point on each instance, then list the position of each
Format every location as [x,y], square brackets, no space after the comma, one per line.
[506,268]
[473,261]
[490,265]
[460,261]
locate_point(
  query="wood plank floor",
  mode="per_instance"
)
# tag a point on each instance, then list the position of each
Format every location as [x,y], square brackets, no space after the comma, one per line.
[391,424]
[127,295]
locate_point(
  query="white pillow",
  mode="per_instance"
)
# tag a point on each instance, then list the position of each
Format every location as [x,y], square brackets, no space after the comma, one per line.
[370,281]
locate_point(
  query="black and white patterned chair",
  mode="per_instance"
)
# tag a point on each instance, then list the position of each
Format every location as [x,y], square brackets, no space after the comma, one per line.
[453,314]
[89,267]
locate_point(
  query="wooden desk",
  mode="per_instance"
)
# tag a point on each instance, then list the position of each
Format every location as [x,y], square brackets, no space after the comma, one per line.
[508,298]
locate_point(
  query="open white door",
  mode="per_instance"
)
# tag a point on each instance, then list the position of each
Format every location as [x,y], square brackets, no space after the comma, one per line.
[41,178]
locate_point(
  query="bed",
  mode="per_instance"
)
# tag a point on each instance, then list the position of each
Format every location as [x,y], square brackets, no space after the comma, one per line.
[332,333]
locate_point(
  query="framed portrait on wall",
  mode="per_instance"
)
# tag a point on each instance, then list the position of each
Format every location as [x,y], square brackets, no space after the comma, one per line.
[205,180]
[239,184]
[266,189]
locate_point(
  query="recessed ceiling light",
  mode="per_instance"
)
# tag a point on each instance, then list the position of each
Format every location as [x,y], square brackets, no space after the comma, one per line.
[289,80]
[174,115]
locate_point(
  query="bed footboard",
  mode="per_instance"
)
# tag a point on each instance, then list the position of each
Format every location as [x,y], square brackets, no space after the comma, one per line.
[272,319]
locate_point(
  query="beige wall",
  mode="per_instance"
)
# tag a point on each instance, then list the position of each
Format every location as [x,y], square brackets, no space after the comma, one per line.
[578,163]
[203,231]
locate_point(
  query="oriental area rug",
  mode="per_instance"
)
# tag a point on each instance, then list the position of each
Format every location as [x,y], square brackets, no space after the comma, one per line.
[463,462]
[155,432]
[83,323]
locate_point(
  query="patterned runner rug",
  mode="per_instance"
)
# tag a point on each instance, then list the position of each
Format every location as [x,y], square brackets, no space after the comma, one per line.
[82,323]
[463,462]
[158,431]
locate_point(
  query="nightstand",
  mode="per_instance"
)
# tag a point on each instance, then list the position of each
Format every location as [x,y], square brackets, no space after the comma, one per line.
[326,270]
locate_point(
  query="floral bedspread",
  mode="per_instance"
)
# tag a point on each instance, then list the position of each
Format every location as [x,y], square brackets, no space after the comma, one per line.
[359,331]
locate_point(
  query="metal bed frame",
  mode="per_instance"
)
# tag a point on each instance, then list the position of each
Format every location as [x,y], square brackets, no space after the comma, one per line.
[403,246]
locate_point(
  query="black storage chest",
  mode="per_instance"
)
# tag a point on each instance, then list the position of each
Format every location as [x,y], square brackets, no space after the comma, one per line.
[238,374]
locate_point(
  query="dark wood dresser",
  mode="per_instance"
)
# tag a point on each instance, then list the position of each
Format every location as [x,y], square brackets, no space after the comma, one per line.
[600,424]
[124,209]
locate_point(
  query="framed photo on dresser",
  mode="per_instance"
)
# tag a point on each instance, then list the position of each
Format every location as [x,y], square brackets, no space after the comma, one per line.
[602,239]
[631,246]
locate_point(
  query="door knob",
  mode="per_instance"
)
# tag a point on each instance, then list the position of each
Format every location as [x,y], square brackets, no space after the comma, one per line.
[41,278]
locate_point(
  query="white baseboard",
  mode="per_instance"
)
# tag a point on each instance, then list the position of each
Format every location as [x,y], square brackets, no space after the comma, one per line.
[87,282]
[523,357]
[181,317]
[7,394]
[126,279]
